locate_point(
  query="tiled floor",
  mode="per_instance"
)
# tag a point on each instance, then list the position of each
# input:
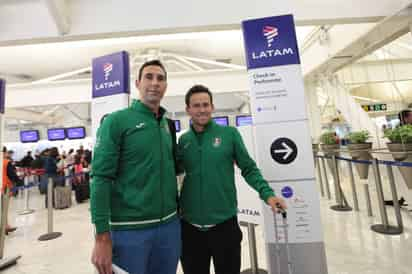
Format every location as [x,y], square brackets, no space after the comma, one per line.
[351,247]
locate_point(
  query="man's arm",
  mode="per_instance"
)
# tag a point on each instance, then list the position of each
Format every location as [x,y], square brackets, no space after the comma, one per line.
[252,174]
[104,170]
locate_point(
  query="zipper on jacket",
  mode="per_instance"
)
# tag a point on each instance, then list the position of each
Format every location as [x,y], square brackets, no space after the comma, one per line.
[161,169]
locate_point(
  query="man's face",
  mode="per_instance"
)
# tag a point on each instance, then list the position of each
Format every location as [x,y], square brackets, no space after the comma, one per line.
[200,108]
[152,85]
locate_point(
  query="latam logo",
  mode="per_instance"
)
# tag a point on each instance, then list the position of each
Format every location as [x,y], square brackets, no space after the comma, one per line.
[270,33]
[107,68]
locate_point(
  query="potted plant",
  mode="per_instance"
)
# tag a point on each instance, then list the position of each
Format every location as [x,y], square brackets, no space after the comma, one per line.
[359,150]
[329,145]
[401,141]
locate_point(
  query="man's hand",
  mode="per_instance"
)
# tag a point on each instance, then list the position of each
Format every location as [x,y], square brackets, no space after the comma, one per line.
[275,203]
[102,253]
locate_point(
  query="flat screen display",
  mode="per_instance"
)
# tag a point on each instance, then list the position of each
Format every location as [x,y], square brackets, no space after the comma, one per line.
[244,120]
[76,132]
[222,120]
[177,125]
[29,136]
[55,134]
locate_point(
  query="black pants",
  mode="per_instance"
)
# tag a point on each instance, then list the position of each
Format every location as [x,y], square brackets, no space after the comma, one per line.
[221,242]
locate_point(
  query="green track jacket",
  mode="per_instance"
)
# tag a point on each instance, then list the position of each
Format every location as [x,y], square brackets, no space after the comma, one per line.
[133,173]
[209,194]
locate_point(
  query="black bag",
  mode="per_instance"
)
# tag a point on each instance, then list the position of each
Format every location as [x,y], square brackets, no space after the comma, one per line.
[82,192]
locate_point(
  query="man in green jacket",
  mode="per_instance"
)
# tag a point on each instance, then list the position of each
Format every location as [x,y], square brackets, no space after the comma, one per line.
[134,188]
[208,153]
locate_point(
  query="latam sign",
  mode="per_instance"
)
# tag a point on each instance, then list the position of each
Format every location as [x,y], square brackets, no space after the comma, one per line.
[270,42]
[111,74]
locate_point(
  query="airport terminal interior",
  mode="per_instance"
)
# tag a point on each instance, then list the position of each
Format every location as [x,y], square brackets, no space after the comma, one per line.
[340,140]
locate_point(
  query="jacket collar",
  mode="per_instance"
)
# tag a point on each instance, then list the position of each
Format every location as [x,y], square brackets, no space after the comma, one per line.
[140,107]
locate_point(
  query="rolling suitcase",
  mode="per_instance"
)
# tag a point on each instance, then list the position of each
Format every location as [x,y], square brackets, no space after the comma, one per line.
[62,197]
[286,236]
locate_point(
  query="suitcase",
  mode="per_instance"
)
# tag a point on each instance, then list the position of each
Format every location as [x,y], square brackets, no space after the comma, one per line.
[286,235]
[62,197]
[82,192]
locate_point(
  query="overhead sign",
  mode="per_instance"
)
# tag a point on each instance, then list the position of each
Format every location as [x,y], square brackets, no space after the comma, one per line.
[111,74]
[2,95]
[111,86]
[283,143]
[375,107]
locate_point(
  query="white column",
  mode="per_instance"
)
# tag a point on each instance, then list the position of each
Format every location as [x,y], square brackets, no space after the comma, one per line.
[313,111]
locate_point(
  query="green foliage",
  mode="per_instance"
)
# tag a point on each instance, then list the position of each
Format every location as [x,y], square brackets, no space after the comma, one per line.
[328,138]
[358,137]
[400,135]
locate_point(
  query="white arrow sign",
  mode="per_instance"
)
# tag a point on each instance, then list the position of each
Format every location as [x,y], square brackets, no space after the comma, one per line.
[287,150]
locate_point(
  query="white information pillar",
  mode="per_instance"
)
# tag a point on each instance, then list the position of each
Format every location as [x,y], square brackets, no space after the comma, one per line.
[249,203]
[111,86]
[283,144]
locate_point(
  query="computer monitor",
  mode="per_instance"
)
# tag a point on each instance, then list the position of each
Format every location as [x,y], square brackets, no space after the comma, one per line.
[177,125]
[221,120]
[76,132]
[244,120]
[29,136]
[56,134]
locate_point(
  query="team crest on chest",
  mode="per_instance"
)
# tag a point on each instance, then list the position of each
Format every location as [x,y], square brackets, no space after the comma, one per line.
[217,142]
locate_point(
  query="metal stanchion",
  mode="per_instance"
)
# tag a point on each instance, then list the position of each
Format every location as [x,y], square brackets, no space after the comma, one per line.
[352,182]
[326,179]
[322,192]
[395,198]
[26,210]
[50,235]
[5,262]
[342,203]
[368,200]
[254,266]
[383,228]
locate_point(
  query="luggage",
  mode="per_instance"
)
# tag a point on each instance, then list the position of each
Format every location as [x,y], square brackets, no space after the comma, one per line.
[82,191]
[286,236]
[62,197]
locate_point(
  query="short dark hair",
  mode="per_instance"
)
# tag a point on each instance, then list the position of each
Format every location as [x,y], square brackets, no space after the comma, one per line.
[197,89]
[403,115]
[152,63]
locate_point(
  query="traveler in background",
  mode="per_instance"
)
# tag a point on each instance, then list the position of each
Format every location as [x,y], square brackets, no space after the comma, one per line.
[10,179]
[26,160]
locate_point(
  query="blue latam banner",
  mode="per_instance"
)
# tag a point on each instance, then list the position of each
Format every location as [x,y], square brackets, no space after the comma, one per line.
[111,74]
[2,95]
[270,42]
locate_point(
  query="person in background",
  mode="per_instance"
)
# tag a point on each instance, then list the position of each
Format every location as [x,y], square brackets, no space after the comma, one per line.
[9,179]
[405,116]
[26,160]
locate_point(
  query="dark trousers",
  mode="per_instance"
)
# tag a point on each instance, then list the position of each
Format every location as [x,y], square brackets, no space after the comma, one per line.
[221,242]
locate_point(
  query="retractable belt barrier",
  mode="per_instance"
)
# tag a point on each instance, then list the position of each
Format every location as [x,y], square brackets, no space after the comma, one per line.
[384,227]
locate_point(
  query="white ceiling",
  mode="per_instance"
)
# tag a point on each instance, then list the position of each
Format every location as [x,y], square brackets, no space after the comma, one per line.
[38,61]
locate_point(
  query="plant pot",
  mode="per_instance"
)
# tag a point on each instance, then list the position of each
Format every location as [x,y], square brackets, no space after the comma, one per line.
[405,171]
[363,169]
[329,151]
